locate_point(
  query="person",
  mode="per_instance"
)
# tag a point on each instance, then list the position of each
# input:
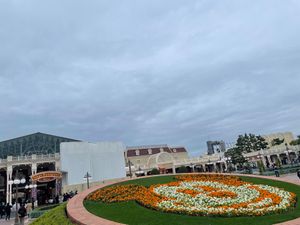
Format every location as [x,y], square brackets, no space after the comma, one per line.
[22,213]
[56,199]
[7,211]
[32,203]
[298,173]
[276,171]
[28,208]
[2,210]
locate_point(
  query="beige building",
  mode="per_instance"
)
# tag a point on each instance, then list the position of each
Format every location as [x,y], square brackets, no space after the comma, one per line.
[140,156]
[287,136]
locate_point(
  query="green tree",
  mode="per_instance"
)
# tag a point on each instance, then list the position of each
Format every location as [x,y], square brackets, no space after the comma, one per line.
[250,143]
[261,167]
[236,156]
[296,141]
[154,171]
[277,141]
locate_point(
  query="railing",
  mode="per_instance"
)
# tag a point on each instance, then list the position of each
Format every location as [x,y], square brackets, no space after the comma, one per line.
[30,157]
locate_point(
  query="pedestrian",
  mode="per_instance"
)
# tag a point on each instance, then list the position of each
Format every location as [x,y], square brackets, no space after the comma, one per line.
[2,210]
[276,171]
[32,203]
[22,213]
[298,173]
[28,208]
[7,211]
[56,199]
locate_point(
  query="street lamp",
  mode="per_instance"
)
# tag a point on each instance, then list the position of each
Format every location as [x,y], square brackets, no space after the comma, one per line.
[87,177]
[17,181]
[30,186]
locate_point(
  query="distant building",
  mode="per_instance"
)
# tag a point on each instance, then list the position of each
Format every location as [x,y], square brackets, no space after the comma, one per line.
[215,147]
[139,155]
[287,136]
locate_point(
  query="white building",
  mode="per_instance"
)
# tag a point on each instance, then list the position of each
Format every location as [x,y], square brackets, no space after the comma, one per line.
[102,160]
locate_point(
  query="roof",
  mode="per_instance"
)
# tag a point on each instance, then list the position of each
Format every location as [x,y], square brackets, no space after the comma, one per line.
[143,151]
[36,143]
[35,134]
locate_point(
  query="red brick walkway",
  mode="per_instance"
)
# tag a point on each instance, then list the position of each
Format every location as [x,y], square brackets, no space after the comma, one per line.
[79,215]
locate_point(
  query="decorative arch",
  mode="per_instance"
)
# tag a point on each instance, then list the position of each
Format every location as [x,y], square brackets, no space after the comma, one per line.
[160,159]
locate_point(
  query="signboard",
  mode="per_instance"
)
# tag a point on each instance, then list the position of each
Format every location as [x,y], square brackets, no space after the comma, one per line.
[46,176]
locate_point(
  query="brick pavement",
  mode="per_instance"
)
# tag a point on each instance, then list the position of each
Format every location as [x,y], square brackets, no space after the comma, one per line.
[79,215]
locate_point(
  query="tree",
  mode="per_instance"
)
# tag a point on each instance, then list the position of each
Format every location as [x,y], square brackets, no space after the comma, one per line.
[154,171]
[296,141]
[250,143]
[261,167]
[277,141]
[236,156]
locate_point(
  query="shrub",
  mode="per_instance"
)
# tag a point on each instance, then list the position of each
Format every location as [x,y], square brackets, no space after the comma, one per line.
[154,171]
[56,216]
[182,169]
[261,167]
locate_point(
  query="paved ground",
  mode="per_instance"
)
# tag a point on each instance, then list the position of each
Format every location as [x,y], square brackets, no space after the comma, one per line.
[11,221]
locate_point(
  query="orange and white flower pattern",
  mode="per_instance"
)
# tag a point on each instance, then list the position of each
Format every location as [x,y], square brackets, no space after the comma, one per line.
[215,195]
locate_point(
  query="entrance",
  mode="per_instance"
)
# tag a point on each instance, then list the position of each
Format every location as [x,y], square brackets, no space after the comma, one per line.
[46,192]
[47,186]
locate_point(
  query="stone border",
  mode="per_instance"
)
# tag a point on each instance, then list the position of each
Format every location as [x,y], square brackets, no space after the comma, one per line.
[79,215]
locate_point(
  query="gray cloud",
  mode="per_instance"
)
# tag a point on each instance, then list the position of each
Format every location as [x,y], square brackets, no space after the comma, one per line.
[149,72]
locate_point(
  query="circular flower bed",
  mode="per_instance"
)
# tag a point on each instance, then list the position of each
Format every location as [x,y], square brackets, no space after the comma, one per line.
[216,195]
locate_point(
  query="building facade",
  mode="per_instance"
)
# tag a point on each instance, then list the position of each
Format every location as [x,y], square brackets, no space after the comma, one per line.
[139,156]
[25,156]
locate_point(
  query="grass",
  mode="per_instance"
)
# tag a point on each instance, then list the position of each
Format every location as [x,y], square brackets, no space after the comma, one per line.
[55,216]
[133,214]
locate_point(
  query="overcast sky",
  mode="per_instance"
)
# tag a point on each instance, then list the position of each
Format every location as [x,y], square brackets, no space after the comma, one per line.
[149,72]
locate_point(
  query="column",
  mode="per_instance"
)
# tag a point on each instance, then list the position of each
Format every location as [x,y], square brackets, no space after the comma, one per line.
[8,186]
[173,169]
[215,168]
[269,159]
[33,190]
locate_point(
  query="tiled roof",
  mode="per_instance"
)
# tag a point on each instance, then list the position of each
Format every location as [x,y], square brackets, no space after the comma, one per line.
[151,151]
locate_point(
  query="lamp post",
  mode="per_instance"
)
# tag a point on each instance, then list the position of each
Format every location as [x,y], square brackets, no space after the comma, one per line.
[17,181]
[87,176]
[30,186]
[129,164]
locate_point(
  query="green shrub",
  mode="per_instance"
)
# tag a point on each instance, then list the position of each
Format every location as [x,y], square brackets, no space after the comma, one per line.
[48,207]
[154,171]
[40,211]
[56,216]
[182,169]
[261,167]
[36,213]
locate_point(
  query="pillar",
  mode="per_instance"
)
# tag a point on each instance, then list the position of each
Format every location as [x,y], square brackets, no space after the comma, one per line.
[173,169]
[8,186]
[33,190]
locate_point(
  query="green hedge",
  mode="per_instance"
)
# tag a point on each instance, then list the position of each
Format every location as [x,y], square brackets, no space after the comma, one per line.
[36,214]
[56,216]
[40,211]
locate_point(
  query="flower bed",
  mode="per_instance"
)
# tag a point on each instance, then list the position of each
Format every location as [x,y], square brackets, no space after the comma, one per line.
[214,195]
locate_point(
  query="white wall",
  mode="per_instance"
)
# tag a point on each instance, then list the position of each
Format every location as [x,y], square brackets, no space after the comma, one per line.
[103,160]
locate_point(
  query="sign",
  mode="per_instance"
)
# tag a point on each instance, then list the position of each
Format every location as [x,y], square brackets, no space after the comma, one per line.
[46,176]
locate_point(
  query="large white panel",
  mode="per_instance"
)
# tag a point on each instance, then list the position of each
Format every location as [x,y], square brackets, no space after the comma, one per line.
[103,160]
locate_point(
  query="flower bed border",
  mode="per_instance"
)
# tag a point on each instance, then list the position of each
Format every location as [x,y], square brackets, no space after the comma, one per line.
[79,215]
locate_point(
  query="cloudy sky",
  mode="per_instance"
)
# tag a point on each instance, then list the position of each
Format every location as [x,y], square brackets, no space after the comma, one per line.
[149,72]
